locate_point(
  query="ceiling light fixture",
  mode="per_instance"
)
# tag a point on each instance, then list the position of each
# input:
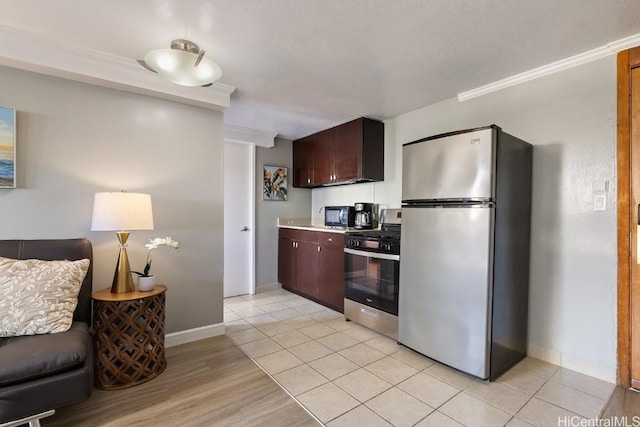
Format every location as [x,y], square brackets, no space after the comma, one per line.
[184,64]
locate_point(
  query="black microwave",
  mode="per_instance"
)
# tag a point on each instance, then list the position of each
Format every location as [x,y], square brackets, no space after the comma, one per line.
[339,216]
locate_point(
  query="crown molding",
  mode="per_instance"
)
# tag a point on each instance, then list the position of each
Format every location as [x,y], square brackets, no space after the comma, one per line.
[564,64]
[242,135]
[32,52]
[625,43]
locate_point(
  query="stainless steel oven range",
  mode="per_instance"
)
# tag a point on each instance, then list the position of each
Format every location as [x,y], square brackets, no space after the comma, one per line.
[372,268]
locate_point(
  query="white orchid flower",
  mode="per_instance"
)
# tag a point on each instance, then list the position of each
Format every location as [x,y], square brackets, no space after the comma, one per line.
[170,242]
[155,244]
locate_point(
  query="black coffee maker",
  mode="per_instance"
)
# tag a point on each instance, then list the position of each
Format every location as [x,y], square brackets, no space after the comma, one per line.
[365,216]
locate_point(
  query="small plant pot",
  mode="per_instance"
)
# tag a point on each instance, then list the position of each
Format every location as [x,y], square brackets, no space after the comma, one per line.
[146,284]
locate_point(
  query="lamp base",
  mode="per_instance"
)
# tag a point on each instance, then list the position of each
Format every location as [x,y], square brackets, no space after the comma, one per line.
[122,281]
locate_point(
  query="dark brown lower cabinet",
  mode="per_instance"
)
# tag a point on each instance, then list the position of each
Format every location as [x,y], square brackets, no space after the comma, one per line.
[307,268]
[311,264]
[331,270]
[286,268]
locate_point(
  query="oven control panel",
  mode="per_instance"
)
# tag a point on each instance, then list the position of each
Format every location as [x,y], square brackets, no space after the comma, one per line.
[388,246]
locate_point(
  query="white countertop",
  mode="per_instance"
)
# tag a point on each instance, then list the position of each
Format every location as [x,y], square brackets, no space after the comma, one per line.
[310,224]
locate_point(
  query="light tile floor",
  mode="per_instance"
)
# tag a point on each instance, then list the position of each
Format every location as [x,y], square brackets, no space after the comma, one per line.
[348,375]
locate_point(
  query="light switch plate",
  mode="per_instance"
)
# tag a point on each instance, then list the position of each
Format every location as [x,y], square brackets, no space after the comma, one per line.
[600,202]
[600,187]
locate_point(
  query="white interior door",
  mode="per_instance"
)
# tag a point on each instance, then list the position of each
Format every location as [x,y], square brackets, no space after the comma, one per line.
[239,236]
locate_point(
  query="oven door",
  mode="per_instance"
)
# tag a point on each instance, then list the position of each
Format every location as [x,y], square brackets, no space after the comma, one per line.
[372,279]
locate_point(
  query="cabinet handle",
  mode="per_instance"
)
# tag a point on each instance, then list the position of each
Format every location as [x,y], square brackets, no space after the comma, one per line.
[330,239]
[318,248]
[308,180]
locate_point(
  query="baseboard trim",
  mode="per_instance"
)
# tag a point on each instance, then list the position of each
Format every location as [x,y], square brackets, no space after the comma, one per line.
[195,334]
[604,373]
[268,287]
[550,356]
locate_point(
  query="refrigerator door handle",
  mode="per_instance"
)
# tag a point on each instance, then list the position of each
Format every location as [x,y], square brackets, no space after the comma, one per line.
[444,204]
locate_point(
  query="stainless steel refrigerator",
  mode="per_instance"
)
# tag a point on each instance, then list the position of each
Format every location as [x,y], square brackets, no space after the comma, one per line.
[464,271]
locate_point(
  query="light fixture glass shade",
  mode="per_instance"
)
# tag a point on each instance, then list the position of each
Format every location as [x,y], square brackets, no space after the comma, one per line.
[182,67]
[122,211]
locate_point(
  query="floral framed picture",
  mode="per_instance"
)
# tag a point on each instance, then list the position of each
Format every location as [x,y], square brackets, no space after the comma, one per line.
[274,183]
[7,147]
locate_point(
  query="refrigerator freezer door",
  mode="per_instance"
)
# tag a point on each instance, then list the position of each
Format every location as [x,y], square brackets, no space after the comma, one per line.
[454,167]
[445,294]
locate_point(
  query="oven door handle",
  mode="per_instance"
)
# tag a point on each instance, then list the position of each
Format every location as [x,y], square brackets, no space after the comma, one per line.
[389,257]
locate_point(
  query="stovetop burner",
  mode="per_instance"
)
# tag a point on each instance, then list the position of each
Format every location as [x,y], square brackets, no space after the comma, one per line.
[376,234]
[386,240]
[387,231]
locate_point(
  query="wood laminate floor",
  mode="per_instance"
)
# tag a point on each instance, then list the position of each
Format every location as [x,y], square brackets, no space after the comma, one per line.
[623,403]
[207,383]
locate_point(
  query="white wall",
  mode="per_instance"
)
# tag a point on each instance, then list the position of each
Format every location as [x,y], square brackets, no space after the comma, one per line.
[268,212]
[75,139]
[570,118]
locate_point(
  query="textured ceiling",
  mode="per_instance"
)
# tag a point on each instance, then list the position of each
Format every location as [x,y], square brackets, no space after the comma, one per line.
[303,65]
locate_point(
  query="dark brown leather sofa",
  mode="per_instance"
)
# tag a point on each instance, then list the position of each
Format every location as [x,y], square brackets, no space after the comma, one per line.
[43,372]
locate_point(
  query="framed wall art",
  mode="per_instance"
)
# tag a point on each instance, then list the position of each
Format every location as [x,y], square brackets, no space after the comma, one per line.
[7,147]
[274,183]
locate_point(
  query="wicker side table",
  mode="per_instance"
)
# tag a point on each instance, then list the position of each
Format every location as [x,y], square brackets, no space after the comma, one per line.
[129,341]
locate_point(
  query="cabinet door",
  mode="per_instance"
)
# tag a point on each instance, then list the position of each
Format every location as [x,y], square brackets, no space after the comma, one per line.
[287,263]
[302,164]
[372,150]
[322,157]
[306,268]
[347,151]
[331,276]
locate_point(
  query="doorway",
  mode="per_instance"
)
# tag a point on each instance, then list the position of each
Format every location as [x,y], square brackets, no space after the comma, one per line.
[628,165]
[239,219]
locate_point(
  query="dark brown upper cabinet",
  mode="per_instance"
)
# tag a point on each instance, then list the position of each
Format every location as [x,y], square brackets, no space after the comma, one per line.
[346,154]
[302,164]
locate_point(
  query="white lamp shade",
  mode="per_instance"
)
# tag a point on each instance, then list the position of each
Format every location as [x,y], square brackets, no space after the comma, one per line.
[122,212]
[179,67]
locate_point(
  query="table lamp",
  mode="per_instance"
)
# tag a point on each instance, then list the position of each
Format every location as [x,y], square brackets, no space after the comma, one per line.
[121,212]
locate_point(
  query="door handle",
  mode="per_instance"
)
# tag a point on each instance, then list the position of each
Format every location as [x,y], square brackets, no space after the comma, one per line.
[245,228]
